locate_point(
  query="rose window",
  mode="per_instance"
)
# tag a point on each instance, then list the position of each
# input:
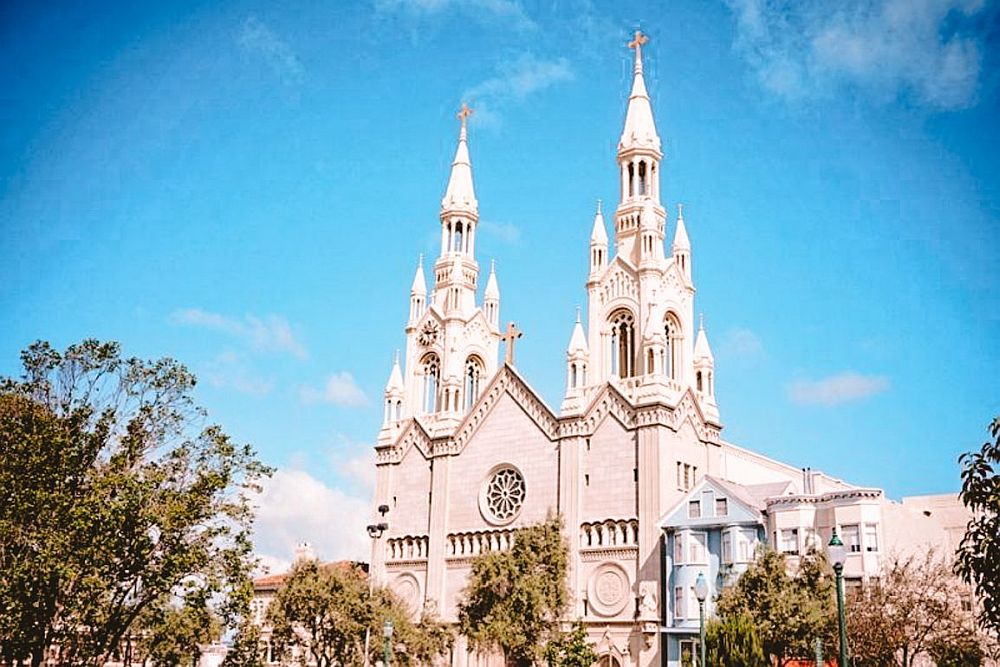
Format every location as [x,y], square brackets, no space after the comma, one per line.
[503,495]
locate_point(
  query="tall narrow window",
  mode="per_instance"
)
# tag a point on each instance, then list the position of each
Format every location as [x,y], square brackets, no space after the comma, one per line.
[671,330]
[871,537]
[622,343]
[852,537]
[727,547]
[473,380]
[698,377]
[679,602]
[432,377]
[642,179]
[631,180]
[458,237]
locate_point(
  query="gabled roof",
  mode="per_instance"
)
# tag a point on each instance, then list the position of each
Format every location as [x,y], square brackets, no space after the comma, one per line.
[742,506]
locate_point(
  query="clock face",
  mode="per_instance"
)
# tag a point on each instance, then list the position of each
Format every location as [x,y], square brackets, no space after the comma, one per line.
[428,335]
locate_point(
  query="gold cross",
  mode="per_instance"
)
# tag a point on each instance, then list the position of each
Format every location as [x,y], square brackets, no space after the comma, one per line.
[464,113]
[512,334]
[639,40]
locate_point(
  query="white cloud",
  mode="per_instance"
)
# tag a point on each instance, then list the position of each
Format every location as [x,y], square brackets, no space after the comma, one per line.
[926,51]
[359,470]
[836,389]
[258,38]
[228,370]
[296,507]
[340,389]
[515,80]
[503,231]
[742,344]
[508,11]
[270,334]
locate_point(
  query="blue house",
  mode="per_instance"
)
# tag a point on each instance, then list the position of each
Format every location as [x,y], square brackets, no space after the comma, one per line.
[714,530]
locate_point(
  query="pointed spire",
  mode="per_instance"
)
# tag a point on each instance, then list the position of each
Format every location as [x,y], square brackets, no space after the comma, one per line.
[460,194]
[419,287]
[640,130]
[492,290]
[395,377]
[701,347]
[578,341]
[599,234]
[681,241]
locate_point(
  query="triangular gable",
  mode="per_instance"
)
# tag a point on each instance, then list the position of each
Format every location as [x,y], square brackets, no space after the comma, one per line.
[689,408]
[413,435]
[741,506]
[608,401]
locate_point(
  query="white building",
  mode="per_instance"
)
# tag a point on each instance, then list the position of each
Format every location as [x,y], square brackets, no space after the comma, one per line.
[468,451]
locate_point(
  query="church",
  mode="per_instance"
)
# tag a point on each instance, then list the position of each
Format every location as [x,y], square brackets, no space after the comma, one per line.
[468,451]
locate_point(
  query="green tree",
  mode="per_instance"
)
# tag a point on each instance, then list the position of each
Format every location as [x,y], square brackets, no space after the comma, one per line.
[325,610]
[514,598]
[732,641]
[115,497]
[789,612]
[978,556]
[172,633]
[570,649]
[914,610]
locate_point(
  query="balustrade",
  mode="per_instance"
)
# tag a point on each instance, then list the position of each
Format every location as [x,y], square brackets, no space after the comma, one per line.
[609,533]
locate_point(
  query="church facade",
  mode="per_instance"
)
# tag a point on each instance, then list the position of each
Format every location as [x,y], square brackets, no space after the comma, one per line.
[468,451]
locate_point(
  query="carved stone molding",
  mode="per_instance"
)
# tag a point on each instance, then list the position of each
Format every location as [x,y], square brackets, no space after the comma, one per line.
[609,589]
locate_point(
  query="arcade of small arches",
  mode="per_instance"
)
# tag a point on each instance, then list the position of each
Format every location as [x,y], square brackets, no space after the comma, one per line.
[639,179]
[437,398]
[458,235]
[664,359]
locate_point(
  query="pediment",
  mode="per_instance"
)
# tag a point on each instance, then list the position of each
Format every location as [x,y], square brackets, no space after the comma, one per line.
[413,435]
[619,281]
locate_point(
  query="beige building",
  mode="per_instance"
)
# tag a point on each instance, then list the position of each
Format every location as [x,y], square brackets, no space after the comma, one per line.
[468,451]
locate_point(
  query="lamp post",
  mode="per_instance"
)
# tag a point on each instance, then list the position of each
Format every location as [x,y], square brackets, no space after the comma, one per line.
[375,531]
[387,645]
[838,554]
[701,592]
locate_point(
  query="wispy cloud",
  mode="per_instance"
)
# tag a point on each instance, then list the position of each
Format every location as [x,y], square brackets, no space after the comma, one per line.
[258,39]
[339,389]
[507,11]
[229,371]
[836,389]
[296,507]
[515,80]
[269,334]
[741,344]
[928,51]
[503,231]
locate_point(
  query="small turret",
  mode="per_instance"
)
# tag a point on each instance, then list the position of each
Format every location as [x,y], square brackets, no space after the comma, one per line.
[395,390]
[418,292]
[682,246]
[704,362]
[491,297]
[598,243]
[577,353]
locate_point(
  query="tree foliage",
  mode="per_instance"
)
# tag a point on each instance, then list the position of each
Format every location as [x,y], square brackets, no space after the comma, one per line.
[732,641]
[789,612]
[570,649]
[325,611]
[978,556]
[514,598]
[913,611]
[115,498]
[172,634]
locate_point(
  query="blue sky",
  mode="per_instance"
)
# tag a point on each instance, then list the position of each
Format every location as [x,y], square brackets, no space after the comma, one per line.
[246,186]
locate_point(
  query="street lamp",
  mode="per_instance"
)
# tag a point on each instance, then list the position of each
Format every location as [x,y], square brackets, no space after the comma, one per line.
[701,592]
[838,554]
[387,645]
[375,531]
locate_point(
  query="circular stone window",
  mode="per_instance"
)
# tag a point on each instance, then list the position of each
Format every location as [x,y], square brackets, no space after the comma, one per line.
[502,495]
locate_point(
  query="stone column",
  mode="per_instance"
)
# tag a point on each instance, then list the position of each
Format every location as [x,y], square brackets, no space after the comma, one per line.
[438,532]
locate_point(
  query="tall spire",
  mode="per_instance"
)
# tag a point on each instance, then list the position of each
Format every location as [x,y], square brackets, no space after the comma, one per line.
[460,195]
[419,287]
[640,130]
[701,347]
[681,241]
[578,341]
[599,235]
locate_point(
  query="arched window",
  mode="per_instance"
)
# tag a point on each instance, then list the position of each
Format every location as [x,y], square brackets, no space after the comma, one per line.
[473,380]
[573,380]
[671,360]
[432,378]
[622,343]
[458,237]
[631,180]
[698,380]
[642,179]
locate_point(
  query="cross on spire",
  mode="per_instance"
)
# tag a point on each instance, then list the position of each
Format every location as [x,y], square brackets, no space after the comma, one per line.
[636,44]
[511,335]
[464,113]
